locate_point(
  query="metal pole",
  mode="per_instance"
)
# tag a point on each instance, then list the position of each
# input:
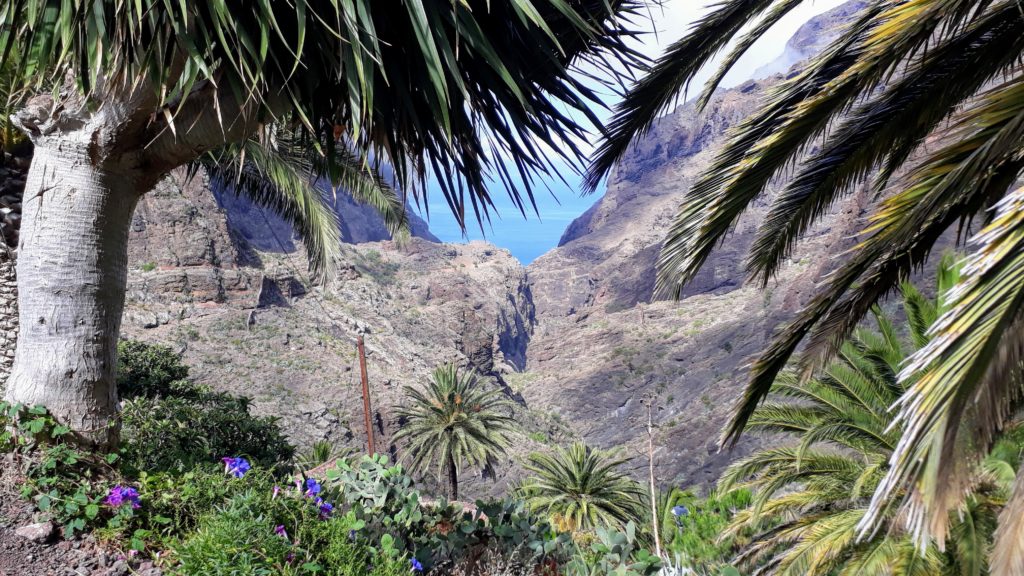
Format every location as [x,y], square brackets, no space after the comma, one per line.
[366,395]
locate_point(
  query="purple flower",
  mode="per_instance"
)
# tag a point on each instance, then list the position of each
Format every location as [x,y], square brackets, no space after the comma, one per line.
[312,487]
[277,490]
[352,535]
[237,467]
[280,531]
[120,495]
[325,509]
[416,566]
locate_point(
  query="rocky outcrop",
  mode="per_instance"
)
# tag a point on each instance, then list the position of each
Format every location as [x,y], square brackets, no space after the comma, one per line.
[291,347]
[183,258]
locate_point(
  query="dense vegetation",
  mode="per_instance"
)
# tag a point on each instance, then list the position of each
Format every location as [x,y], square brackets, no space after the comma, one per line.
[216,490]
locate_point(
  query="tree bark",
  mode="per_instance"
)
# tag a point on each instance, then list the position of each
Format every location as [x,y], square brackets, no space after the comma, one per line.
[72,275]
[453,480]
[8,312]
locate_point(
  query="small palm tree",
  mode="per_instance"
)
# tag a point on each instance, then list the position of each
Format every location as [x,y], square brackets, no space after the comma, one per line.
[321,452]
[812,496]
[582,488]
[454,423]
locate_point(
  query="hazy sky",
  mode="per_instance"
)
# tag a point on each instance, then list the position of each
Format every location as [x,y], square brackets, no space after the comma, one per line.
[530,237]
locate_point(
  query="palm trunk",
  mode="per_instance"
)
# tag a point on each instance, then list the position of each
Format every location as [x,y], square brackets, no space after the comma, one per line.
[453,480]
[72,274]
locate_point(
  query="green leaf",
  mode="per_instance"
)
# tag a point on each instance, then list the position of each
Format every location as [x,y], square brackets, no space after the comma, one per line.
[91,511]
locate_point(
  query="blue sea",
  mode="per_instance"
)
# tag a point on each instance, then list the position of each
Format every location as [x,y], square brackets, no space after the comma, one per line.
[525,237]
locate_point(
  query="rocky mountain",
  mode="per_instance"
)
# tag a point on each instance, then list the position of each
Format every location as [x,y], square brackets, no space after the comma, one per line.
[604,345]
[808,39]
[577,339]
[251,322]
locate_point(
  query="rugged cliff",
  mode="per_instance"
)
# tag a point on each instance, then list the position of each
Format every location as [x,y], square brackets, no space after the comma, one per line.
[251,322]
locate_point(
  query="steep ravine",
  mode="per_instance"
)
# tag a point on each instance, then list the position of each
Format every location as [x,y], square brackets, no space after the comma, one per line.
[576,338]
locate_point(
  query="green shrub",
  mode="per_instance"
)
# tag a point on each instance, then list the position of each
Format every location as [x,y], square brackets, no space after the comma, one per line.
[174,503]
[172,424]
[241,538]
[695,537]
[238,540]
[180,433]
[149,370]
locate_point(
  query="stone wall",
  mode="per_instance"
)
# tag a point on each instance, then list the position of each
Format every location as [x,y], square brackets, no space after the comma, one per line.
[8,313]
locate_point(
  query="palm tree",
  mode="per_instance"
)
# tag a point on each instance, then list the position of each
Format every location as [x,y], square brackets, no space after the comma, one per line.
[811,496]
[125,92]
[581,489]
[903,73]
[453,424]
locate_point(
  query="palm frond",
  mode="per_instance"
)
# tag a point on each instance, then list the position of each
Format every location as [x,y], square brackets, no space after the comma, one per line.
[363,181]
[1008,554]
[670,75]
[891,124]
[970,382]
[274,179]
[757,148]
[452,88]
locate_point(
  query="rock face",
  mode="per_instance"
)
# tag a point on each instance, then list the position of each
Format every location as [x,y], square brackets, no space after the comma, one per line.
[263,230]
[183,258]
[290,344]
[603,345]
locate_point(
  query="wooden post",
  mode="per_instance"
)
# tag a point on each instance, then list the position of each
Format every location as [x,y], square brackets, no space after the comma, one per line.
[650,463]
[366,395]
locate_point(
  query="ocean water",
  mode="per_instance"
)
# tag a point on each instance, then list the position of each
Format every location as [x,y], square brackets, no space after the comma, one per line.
[525,237]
